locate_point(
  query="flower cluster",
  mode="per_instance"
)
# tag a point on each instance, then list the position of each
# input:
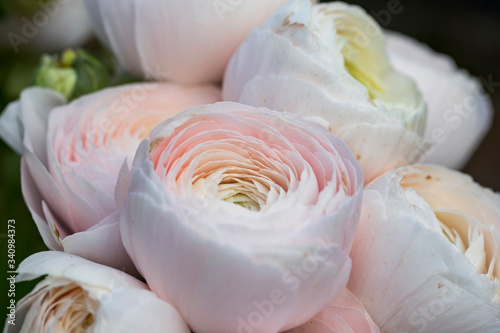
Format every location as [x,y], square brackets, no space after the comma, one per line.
[257,185]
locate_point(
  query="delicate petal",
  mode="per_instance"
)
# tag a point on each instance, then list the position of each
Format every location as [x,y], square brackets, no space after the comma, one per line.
[185,41]
[11,128]
[76,269]
[139,311]
[345,315]
[33,200]
[121,36]
[406,272]
[95,16]
[101,243]
[34,104]
[459,111]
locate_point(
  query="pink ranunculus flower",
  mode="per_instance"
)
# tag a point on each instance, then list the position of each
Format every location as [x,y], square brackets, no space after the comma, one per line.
[81,296]
[329,61]
[72,154]
[459,111]
[187,41]
[242,218]
[426,257]
[345,315]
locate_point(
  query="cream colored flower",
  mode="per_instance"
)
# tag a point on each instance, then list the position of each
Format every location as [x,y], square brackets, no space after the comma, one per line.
[329,61]
[426,253]
[80,296]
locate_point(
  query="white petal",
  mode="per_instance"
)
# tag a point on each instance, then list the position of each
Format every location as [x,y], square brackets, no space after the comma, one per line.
[101,244]
[94,13]
[74,268]
[459,111]
[121,36]
[138,311]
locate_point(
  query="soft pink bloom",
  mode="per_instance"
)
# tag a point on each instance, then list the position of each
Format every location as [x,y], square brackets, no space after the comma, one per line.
[426,257]
[72,154]
[242,218]
[78,295]
[345,315]
[187,41]
[459,110]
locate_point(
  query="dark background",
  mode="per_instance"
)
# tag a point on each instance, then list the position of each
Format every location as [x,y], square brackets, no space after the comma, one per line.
[468,31]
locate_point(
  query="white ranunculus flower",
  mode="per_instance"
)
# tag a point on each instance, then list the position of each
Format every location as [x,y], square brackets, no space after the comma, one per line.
[459,111]
[187,41]
[329,61]
[81,296]
[426,256]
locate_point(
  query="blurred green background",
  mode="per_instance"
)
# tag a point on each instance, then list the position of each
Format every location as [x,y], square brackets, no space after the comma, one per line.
[469,31]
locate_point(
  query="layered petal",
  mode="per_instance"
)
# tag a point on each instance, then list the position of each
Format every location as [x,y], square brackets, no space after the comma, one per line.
[186,41]
[238,215]
[459,111]
[425,257]
[329,61]
[345,315]
[72,154]
[81,296]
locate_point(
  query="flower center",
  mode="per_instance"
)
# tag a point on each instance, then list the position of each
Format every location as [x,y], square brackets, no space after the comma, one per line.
[68,309]
[362,45]
[468,235]
[473,243]
[243,187]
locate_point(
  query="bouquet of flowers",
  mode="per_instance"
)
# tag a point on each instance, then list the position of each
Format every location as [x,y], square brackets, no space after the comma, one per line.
[280,166]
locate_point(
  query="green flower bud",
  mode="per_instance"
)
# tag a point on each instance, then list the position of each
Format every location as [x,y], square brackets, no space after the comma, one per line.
[73,74]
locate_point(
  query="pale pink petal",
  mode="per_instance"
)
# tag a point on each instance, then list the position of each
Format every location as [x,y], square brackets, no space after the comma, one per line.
[345,315]
[185,41]
[121,36]
[101,244]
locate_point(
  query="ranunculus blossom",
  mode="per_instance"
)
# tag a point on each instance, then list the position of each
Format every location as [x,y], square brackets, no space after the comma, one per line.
[329,61]
[81,296]
[72,154]
[187,41]
[426,253]
[243,218]
[459,111]
[345,315]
